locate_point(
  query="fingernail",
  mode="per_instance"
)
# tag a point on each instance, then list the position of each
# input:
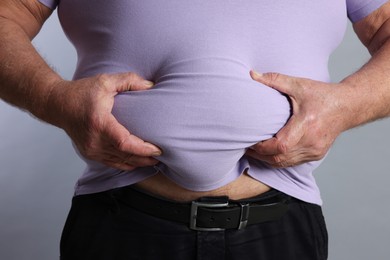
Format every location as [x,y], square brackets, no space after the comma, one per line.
[257,74]
[155,151]
[148,83]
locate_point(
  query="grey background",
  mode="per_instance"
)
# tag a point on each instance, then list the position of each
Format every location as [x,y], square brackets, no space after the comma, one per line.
[39,169]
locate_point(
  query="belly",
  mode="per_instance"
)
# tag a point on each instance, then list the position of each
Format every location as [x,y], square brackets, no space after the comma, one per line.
[203,114]
[241,188]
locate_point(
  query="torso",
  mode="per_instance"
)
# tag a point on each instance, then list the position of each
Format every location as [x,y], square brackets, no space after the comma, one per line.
[204,110]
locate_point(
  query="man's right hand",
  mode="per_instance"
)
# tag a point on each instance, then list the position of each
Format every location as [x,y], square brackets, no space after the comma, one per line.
[83,109]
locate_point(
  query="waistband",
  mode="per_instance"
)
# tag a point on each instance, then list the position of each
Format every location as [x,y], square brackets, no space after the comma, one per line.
[209,213]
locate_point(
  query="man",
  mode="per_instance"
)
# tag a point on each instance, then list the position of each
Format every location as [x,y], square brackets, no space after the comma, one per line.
[83,109]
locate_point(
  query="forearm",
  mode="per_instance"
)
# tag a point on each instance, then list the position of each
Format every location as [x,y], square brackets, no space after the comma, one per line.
[82,108]
[366,93]
[25,78]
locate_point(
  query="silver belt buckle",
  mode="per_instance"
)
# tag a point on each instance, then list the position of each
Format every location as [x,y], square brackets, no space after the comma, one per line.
[194,213]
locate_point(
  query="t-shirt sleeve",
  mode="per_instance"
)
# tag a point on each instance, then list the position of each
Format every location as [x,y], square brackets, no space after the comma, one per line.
[358,9]
[52,4]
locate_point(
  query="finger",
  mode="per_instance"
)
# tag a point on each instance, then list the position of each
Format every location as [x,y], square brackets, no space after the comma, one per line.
[116,162]
[131,82]
[119,165]
[287,140]
[291,136]
[277,81]
[267,147]
[275,161]
[121,139]
[129,164]
[129,159]
[271,160]
[140,161]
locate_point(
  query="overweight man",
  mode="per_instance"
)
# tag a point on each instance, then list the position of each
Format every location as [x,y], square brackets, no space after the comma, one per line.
[200,122]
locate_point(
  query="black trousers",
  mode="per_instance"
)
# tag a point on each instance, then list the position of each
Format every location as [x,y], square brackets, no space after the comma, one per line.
[102,227]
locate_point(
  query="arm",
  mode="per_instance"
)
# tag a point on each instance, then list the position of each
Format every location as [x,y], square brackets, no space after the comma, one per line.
[82,108]
[322,111]
[373,79]
[20,21]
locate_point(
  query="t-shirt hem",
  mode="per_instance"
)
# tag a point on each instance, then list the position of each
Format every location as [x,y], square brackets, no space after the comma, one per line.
[283,182]
[364,11]
[113,183]
[49,3]
[277,180]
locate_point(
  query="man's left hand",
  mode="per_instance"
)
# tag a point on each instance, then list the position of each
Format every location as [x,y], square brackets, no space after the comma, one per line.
[316,120]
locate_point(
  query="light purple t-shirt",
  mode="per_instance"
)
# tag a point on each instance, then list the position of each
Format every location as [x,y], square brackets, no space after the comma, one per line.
[204,110]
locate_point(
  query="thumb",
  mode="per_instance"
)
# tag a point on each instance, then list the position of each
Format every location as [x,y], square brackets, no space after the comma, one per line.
[130,81]
[277,81]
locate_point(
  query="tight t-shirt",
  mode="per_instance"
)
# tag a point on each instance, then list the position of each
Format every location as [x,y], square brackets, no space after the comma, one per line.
[204,110]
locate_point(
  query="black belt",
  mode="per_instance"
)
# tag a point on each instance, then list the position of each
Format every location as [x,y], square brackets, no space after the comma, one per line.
[209,213]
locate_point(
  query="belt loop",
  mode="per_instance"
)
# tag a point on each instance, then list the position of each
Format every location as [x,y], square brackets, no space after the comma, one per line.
[244,215]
